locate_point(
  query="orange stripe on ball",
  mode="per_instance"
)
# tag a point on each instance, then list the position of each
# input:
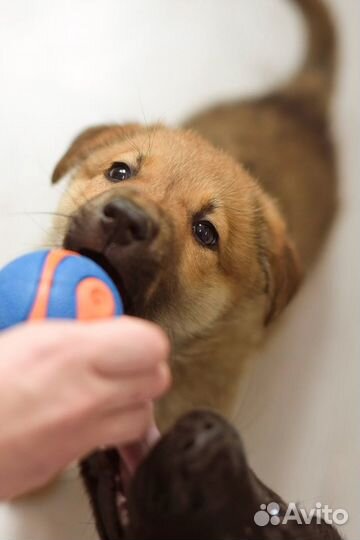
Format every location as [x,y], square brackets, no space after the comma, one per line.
[94,300]
[41,304]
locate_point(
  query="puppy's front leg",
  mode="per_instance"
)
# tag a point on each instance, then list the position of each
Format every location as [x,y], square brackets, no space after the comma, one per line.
[100,472]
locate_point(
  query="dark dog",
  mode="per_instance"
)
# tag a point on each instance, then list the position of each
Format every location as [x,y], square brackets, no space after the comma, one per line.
[195,484]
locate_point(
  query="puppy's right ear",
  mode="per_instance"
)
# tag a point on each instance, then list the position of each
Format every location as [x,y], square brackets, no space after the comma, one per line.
[89,140]
[282,262]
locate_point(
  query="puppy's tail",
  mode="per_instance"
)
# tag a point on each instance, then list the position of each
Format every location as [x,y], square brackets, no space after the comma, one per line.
[316,78]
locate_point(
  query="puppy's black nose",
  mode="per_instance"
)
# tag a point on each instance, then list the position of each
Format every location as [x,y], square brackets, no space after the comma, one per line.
[207,431]
[127,223]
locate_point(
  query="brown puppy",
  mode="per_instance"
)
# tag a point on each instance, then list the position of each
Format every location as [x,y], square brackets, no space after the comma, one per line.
[195,483]
[206,230]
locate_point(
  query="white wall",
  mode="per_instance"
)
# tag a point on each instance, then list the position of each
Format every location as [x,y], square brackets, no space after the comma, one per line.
[66,65]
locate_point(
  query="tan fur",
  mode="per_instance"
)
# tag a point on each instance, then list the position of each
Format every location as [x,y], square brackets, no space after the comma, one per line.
[263,172]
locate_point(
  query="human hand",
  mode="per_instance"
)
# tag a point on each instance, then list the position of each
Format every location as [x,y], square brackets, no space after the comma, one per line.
[67,388]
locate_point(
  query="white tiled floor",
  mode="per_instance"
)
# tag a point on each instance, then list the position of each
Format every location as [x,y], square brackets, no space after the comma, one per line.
[70,64]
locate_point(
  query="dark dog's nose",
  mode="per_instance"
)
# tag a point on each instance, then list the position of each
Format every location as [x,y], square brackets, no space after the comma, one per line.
[127,223]
[205,432]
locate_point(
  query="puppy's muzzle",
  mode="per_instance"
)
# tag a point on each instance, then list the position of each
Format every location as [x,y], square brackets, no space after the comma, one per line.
[123,235]
[125,223]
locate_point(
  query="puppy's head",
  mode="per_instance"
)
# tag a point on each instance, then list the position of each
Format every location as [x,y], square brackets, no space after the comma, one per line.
[191,483]
[185,232]
[196,483]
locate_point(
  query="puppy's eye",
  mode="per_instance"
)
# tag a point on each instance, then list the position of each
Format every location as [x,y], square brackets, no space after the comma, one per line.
[118,172]
[206,234]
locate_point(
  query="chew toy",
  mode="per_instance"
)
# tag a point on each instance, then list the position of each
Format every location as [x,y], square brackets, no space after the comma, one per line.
[56,284]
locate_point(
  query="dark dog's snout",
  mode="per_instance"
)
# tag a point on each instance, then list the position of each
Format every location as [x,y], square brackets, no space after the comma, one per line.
[207,431]
[127,223]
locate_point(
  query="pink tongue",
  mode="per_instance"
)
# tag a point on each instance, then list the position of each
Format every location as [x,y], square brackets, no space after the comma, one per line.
[133,454]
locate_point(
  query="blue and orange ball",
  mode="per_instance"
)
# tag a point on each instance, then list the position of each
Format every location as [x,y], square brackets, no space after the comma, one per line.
[56,284]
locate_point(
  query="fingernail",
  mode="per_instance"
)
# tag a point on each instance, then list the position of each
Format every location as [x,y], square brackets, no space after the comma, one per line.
[164,375]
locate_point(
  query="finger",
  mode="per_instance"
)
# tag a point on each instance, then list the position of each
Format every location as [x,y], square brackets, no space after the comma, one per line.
[122,426]
[126,346]
[131,390]
[112,347]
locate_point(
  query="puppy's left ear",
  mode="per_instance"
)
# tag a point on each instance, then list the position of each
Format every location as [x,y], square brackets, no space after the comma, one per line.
[87,142]
[282,263]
